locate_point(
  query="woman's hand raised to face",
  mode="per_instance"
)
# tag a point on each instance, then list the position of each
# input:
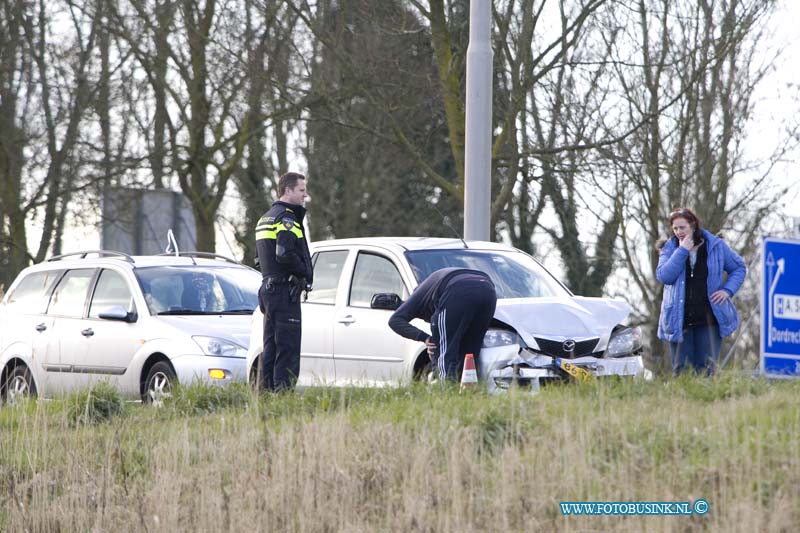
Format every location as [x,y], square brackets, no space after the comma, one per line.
[687,241]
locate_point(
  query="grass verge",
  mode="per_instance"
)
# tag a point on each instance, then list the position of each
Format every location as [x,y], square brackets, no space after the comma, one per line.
[413,458]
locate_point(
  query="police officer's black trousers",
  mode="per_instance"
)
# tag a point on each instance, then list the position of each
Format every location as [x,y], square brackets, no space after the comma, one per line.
[459,323]
[280,359]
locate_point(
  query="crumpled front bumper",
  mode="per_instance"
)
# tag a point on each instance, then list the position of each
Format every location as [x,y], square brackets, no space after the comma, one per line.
[528,370]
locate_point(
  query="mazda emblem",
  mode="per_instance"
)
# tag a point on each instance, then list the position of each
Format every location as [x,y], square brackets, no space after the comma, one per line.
[568,346]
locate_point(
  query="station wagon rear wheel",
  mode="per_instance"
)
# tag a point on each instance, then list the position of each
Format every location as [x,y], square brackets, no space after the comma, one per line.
[254,377]
[19,385]
[160,380]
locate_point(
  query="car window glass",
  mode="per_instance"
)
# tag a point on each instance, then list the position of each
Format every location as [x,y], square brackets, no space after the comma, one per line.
[70,295]
[374,274]
[202,292]
[111,290]
[30,295]
[199,289]
[515,274]
[327,271]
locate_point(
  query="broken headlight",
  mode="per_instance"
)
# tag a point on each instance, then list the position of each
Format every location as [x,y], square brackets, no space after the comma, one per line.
[624,342]
[499,337]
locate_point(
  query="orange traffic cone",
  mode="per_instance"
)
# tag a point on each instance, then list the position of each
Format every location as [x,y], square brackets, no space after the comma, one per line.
[469,377]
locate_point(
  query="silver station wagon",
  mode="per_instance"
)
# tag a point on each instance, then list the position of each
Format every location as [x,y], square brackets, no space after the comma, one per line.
[141,323]
[541,332]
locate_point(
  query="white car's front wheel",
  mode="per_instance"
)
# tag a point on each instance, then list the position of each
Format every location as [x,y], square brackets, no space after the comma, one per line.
[159,383]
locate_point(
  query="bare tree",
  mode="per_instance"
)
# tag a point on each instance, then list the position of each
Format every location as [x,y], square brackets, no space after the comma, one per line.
[274,81]
[190,54]
[13,139]
[372,92]
[523,58]
[563,93]
[692,73]
[47,87]
[15,75]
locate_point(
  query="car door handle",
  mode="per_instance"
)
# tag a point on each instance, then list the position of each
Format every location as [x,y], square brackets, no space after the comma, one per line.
[347,320]
[88,332]
[41,327]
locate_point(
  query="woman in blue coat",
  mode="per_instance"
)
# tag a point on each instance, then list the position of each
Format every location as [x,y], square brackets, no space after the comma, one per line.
[696,310]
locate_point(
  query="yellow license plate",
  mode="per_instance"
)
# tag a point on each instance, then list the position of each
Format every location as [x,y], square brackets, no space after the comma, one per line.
[581,374]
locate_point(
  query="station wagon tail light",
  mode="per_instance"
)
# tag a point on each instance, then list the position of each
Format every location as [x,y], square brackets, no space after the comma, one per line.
[216,373]
[219,347]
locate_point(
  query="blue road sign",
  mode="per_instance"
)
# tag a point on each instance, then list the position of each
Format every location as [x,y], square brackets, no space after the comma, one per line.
[780,307]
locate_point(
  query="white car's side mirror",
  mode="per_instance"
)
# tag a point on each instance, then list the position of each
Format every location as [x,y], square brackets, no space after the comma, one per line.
[117,312]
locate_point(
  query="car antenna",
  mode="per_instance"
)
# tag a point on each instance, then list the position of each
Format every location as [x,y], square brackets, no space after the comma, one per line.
[447,224]
[172,244]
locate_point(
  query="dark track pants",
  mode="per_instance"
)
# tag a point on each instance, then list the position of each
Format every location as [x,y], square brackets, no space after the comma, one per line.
[458,325]
[280,360]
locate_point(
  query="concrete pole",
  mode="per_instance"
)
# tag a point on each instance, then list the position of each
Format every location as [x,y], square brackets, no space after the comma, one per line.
[478,143]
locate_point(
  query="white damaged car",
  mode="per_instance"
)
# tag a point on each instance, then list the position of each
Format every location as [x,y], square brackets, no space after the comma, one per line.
[541,332]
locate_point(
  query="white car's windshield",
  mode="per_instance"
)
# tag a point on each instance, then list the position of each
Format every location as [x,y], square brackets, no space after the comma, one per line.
[515,274]
[186,290]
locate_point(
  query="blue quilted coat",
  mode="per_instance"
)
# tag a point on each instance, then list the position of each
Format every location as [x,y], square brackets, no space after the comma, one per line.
[671,271]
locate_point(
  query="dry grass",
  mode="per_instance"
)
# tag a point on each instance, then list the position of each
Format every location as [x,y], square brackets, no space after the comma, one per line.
[408,460]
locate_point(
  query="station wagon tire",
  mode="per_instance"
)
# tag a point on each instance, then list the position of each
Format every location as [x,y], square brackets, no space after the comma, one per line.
[158,386]
[254,373]
[19,385]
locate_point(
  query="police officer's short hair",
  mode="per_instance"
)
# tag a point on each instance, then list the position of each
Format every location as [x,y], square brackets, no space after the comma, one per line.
[288,181]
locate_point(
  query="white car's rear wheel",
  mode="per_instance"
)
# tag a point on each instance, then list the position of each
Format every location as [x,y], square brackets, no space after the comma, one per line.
[19,385]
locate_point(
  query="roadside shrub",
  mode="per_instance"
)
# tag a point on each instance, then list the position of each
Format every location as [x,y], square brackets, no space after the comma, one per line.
[724,385]
[96,405]
[497,429]
[199,398]
[361,403]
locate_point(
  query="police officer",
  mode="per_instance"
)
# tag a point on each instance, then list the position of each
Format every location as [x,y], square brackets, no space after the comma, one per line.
[459,303]
[285,264]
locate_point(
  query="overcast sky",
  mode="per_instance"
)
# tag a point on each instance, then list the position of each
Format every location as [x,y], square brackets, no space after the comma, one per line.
[779,98]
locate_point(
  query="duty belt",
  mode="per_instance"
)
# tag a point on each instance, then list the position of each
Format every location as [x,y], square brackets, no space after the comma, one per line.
[274,279]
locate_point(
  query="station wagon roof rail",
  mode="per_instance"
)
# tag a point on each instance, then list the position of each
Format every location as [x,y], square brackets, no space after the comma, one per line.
[100,253]
[202,255]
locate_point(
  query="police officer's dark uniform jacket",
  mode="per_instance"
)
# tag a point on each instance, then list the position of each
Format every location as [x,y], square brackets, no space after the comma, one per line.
[286,271]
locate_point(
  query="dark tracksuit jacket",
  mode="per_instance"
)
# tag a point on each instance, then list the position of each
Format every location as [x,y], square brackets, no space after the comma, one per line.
[459,303]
